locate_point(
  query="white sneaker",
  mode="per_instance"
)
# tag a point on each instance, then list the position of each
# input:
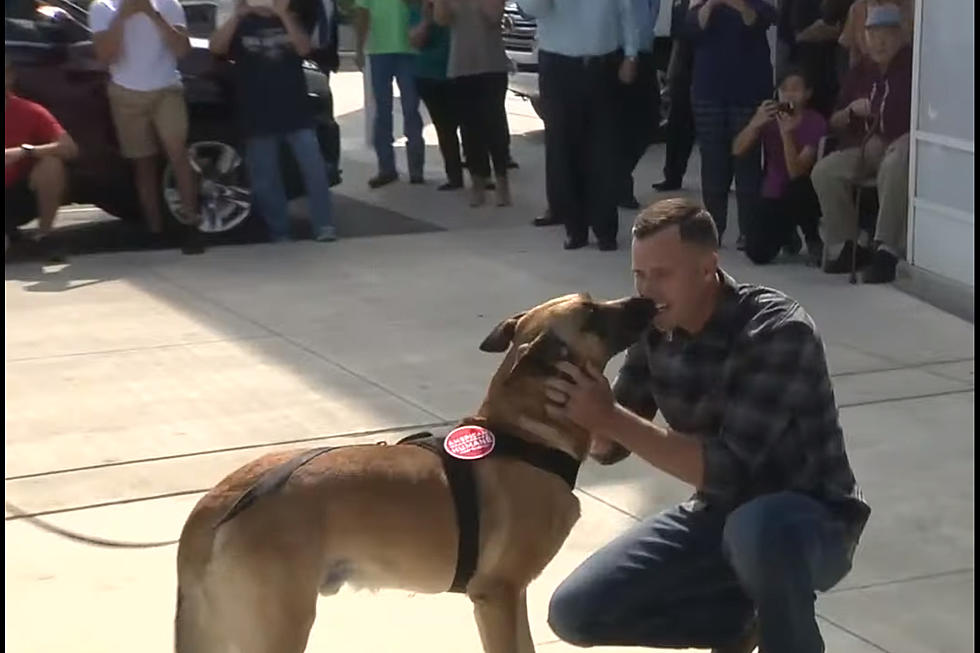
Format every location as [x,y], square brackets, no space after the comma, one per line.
[327,235]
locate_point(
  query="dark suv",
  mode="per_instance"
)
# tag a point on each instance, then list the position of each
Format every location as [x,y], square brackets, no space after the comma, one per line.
[55,65]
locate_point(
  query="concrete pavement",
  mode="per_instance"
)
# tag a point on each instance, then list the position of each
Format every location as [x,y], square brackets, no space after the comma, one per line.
[134,381]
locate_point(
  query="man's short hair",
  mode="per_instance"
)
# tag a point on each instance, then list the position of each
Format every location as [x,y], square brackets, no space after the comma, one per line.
[695,224]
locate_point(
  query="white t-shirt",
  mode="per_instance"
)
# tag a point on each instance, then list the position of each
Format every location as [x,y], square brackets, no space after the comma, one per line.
[145,62]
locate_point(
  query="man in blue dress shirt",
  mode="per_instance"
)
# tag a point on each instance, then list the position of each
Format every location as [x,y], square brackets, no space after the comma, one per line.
[586,48]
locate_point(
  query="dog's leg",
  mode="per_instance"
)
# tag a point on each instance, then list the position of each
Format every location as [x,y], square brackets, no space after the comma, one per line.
[495,606]
[524,642]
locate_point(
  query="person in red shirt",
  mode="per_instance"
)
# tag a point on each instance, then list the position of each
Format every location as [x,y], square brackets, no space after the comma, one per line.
[36,148]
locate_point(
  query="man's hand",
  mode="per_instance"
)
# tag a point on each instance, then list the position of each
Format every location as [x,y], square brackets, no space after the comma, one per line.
[627,70]
[418,35]
[12,156]
[860,107]
[584,397]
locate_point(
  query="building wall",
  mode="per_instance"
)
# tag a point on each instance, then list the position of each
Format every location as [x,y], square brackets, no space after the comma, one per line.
[941,211]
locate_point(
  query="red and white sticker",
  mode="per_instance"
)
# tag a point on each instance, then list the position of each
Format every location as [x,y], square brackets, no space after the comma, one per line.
[469,443]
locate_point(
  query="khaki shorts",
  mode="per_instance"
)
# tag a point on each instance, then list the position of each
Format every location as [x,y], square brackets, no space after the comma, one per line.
[144,118]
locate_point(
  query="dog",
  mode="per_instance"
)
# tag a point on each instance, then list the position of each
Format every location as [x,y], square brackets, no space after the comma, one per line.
[258,549]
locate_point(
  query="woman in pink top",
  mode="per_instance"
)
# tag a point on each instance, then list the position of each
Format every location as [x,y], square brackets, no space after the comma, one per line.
[790,132]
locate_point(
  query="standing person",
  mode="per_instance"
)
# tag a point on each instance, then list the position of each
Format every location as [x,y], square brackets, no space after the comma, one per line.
[640,102]
[435,88]
[732,75]
[790,132]
[816,26]
[478,67]
[382,32]
[35,149]
[141,41]
[739,373]
[268,46]
[679,140]
[581,61]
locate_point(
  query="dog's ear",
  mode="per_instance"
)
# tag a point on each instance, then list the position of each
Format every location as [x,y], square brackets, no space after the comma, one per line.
[539,356]
[501,336]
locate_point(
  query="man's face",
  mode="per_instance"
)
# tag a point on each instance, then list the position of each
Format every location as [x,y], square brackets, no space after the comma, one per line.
[674,274]
[884,43]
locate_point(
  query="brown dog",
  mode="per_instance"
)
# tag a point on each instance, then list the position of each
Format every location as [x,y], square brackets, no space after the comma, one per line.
[249,572]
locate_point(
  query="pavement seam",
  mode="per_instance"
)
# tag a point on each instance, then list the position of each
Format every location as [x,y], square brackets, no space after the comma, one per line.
[900,581]
[910,366]
[854,634]
[209,452]
[297,344]
[927,395]
[128,350]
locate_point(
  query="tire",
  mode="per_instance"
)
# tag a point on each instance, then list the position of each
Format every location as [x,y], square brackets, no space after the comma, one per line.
[224,190]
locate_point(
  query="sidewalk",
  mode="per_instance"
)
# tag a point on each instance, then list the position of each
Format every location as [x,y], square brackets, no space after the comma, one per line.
[135,381]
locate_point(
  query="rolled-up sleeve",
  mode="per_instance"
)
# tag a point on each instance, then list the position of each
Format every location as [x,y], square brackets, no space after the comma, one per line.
[632,387]
[778,374]
[628,23]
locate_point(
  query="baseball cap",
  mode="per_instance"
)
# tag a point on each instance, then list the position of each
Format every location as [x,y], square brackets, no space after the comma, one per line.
[884,15]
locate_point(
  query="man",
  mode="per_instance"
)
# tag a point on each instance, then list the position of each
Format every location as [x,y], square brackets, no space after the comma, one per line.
[640,112]
[141,41]
[35,149]
[679,139]
[581,62]
[739,373]
[874,113]
[268,46]
[382,32]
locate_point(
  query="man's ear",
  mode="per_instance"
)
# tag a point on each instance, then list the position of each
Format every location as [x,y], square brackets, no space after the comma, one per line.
[540,355]
[501,336]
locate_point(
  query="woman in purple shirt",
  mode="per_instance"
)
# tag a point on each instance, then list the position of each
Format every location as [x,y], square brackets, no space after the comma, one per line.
[790,132]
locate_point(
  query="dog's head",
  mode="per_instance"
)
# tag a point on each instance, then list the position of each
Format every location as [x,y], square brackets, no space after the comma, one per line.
[572,328]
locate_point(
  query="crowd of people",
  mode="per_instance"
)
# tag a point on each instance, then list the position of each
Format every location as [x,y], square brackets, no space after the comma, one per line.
[837,118]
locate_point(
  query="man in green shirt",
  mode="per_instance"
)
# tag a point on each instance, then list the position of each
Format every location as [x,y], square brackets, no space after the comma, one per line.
[382,32]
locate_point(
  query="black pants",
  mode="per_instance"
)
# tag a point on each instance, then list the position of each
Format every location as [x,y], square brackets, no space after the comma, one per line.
[638,120]
[579,95]
[717,126]
[439,96]
[679,140]
[775,221]
[483,122]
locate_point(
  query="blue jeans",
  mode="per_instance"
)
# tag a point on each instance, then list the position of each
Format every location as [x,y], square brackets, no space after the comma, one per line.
[696,578]
[265,173]
[401,67]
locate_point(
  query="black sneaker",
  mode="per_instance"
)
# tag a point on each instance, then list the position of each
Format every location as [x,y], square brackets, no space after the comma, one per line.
[51,250]
[666,185]
[382,179]
[545,220]
[814,252]
[794,246]
[740,243]
[192,241]
[882,268]
[842,264]
[628,202]
[451,185]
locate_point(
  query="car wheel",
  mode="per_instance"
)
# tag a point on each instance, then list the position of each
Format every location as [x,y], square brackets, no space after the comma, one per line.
[224,193]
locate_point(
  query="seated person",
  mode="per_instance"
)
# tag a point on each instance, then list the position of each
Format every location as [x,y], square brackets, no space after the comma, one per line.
[36,147]
[790,132]
[873,121]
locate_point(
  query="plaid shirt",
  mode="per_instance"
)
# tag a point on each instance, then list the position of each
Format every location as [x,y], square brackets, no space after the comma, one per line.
[754,387]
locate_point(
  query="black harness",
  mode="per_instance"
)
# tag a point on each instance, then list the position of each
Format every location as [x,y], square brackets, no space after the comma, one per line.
[459,474]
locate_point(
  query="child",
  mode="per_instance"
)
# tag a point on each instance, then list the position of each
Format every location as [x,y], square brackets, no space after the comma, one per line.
[790,132]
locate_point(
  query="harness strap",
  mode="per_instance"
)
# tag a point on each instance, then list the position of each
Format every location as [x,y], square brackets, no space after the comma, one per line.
[272,481]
